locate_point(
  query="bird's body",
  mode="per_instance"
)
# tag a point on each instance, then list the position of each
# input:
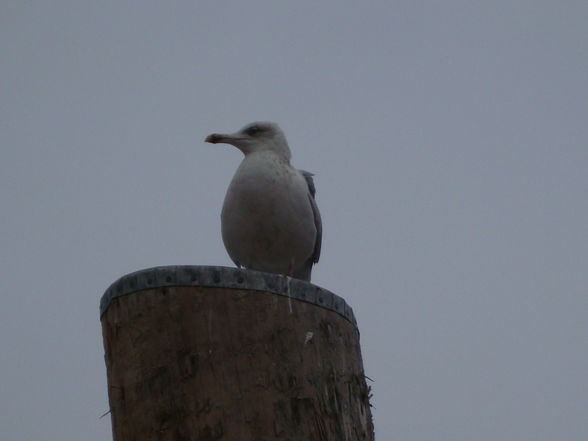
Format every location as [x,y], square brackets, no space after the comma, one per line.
[269,219]
[266,216]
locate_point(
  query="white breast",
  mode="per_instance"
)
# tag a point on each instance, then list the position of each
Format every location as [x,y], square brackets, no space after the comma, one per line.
[267,219]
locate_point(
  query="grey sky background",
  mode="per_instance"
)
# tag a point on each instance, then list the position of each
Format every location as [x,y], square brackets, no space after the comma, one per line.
[449,142]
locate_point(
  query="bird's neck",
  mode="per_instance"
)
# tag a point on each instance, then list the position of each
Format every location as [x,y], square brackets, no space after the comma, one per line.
[268,155]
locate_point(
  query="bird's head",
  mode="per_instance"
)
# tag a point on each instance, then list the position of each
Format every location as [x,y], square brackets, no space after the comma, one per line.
[255,137]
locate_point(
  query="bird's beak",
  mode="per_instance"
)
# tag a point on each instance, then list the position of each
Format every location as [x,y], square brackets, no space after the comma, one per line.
[219,138]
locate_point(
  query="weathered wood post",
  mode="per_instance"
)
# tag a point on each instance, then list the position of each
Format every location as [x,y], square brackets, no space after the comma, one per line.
[215,353]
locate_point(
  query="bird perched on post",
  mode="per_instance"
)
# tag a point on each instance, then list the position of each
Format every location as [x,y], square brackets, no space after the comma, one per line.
[270,221]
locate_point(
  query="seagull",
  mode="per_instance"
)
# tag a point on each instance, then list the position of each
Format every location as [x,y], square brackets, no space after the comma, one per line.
[270,221]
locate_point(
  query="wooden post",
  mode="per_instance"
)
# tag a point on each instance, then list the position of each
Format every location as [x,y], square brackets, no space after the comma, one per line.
[215,353]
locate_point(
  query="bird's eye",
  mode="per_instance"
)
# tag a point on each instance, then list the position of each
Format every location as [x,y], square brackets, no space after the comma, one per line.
[253,130]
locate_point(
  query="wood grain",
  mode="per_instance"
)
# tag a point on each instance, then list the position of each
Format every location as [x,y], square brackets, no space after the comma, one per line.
[200,363]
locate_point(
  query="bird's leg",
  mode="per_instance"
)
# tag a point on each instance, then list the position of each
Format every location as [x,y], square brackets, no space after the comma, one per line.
[290,268]
[290,273]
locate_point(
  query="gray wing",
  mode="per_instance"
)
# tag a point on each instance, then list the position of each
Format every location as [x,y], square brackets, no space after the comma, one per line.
[317,216]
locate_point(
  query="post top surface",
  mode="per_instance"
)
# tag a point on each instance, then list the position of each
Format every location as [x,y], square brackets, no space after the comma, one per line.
[228,278]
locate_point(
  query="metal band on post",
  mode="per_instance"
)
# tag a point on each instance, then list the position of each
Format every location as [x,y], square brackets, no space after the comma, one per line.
[225,277]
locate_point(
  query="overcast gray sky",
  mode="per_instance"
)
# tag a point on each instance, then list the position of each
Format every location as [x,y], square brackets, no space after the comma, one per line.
[449,142]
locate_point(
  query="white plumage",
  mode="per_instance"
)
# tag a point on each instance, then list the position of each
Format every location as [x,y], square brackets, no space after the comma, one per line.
[270,221]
